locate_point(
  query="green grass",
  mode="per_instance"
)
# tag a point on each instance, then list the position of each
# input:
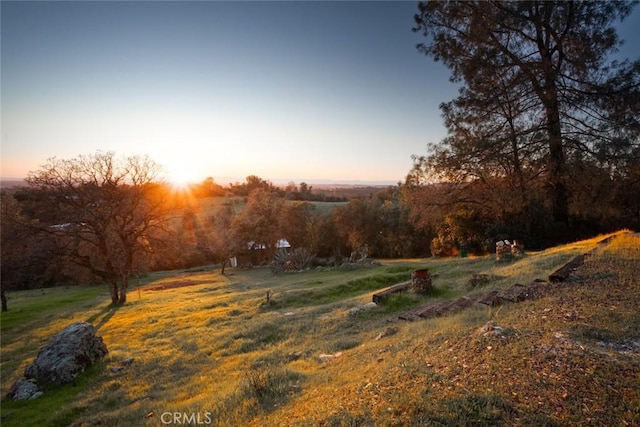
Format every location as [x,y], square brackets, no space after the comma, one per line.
[327,207]
[217,348]
[53,407]
[28,306]
[401,301]
[330,294]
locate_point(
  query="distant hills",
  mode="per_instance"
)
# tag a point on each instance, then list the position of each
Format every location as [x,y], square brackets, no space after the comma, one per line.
[225,180]
[317,183]
[11,182]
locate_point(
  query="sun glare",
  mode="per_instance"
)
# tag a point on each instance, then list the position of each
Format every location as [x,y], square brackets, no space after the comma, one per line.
[181,177]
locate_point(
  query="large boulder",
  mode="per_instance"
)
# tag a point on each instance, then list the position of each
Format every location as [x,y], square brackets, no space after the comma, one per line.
[67,354]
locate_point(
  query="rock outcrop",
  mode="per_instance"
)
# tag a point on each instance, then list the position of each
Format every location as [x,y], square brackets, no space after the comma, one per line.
[66,354]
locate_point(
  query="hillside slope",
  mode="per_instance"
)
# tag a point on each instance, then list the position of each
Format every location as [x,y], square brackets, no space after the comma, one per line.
[569,358]
[213,350]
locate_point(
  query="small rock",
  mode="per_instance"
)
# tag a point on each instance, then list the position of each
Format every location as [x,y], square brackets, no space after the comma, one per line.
[391,330]
[24,389]
[491,329]
[361,309]
[326,357]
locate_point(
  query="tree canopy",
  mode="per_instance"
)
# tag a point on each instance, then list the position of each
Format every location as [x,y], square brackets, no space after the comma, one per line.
[540,93]
[105,212]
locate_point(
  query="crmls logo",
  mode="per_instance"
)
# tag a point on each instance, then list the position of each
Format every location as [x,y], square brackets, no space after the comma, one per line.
[180,418]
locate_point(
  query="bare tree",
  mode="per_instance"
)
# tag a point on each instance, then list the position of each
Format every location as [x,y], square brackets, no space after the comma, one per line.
[110,211]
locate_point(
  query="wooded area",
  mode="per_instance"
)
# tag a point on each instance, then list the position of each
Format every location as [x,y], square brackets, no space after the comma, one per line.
[543,137]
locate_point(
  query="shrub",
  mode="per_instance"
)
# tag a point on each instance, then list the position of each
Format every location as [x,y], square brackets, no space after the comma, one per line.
[270,383]
[297,260]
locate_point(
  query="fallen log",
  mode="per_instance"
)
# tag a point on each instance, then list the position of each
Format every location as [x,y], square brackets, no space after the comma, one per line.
[380,297]
[563,273]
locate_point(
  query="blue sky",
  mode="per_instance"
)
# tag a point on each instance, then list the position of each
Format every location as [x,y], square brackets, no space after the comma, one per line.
[301,91]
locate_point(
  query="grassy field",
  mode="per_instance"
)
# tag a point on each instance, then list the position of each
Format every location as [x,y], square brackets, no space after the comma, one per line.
[207,206]
[212,350]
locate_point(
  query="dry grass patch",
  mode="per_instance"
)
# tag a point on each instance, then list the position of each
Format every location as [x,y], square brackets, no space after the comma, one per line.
[215,348]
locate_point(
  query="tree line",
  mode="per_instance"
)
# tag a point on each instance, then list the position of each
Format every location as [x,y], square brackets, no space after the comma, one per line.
[292,191]
[105,218]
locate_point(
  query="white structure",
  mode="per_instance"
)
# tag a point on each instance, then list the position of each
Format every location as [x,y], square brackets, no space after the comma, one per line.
[280,244]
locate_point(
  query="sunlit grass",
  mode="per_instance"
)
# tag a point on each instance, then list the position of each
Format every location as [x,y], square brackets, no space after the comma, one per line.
[216,347]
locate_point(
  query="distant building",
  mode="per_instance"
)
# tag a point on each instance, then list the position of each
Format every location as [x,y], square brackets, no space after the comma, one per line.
[257,253]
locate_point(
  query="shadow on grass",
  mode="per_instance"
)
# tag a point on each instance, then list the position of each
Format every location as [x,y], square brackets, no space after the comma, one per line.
[103,316]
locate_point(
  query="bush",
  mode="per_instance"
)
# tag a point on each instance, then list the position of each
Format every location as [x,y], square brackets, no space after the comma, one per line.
[297,260]
[269,383]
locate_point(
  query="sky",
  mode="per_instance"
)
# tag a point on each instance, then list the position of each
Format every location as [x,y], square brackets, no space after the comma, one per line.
[288,91]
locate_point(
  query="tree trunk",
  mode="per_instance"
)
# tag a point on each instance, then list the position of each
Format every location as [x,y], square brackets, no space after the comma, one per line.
[556,178]
[5,307]
[520,184]
[113,290]
[224,264]
[123,290]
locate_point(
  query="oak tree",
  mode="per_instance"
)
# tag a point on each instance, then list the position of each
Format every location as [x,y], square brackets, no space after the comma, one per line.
[260,220]
[108,213]
[218,239]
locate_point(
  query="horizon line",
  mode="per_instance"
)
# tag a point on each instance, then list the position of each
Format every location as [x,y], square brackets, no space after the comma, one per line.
[226,180]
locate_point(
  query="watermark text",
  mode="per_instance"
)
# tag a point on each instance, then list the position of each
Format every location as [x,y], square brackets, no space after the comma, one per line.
[185,418]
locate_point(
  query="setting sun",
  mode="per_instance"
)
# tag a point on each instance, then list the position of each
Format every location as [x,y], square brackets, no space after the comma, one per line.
[181,176]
